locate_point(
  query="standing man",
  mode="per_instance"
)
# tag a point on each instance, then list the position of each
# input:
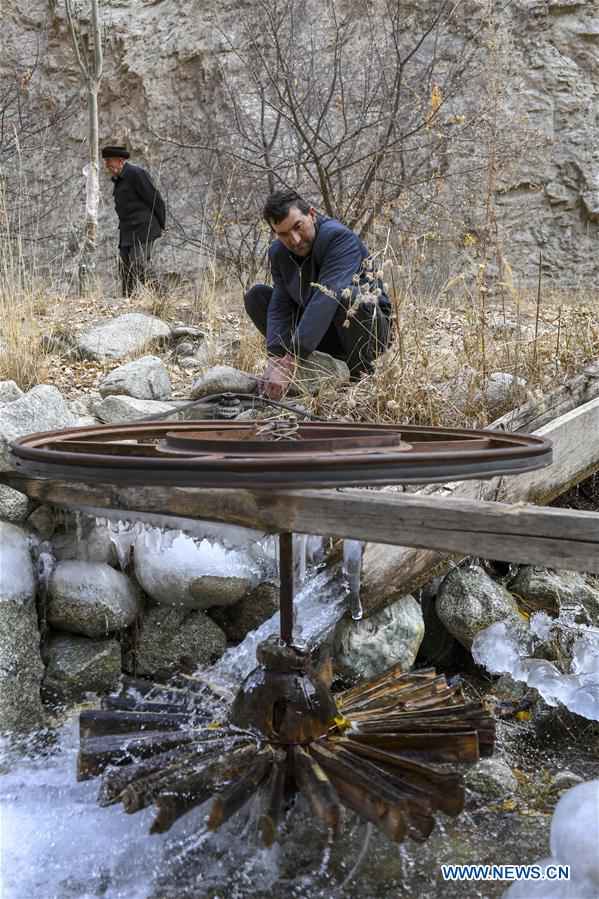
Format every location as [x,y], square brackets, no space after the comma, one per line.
[141,213]
[295,315]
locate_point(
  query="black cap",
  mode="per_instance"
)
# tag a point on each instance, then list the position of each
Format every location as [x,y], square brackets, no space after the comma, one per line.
[112,152]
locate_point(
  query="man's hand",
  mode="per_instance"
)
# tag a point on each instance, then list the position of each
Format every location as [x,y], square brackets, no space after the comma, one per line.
[274,383]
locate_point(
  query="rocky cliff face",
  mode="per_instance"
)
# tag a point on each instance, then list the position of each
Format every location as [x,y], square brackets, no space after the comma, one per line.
[164,63]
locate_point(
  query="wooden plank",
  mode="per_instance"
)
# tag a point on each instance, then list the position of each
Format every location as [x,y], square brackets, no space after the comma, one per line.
[537,413]
[388,574]
[519,532]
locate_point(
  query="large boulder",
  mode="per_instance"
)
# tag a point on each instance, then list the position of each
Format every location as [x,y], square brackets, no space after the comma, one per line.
[43,408]
[77,666]
[176,639]
[391,636]
[121,409]
[91,598]
[176,570]
[145,379]
[551,590]
[222,379]
[21,667]
[319,370]
[468,601]
[123,336]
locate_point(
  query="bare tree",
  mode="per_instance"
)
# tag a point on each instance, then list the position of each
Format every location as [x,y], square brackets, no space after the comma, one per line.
[30,126]
[89,60]
[357,106]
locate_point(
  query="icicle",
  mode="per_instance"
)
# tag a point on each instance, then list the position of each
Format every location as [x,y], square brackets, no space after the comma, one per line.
[122,537]
[46,561]
[78,527]
[352,565]
[315,549]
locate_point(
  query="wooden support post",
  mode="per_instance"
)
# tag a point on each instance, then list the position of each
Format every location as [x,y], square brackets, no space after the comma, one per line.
[286,588]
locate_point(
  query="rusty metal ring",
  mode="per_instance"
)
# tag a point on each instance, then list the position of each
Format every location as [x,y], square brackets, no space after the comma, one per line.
[232,454]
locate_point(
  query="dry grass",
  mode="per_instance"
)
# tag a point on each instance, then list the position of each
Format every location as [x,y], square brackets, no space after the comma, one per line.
[438,369]
[446,345]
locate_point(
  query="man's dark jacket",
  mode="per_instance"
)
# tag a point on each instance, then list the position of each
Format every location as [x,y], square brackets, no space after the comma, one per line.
[139,206]
[336,256]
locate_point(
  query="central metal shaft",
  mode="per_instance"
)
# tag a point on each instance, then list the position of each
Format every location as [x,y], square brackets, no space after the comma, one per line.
[286,586]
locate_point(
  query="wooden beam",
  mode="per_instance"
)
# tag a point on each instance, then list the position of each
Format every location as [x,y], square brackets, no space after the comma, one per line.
[522,533]
[538,412]
[388,574]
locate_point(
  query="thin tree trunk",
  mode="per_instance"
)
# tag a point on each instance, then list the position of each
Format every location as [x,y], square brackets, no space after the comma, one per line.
[91,75]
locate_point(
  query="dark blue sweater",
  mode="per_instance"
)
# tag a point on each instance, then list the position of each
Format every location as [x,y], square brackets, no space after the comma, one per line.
[336,256]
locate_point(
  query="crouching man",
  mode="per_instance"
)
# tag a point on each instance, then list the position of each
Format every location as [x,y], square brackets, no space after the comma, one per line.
[319,268]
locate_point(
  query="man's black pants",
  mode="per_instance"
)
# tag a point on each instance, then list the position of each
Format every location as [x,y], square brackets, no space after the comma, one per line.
[358,345]
[134,265]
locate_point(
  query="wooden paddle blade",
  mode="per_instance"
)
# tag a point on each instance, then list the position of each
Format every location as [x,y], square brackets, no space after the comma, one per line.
[237,794]
[316,786]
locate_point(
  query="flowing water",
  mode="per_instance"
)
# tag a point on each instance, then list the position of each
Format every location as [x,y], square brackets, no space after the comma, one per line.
[56,843]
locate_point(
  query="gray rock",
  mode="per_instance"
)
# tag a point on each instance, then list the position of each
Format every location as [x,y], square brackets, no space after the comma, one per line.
[21,667]
[9,391]
[43,408]
[319,370]
[563,780]
[91,598]
[249,613]
[508,689]
[222,379]
[145,379]
[491,778]
[439,648]
[77,666]
[178,571]
[187,331]
[123,336]
[83,406]
[115,409]
[469,601]
[43,520]
[503,388]
[212,590]
[14,506]
[366,648]
[190,363]
[551,590]
[176,639]
[185,348]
